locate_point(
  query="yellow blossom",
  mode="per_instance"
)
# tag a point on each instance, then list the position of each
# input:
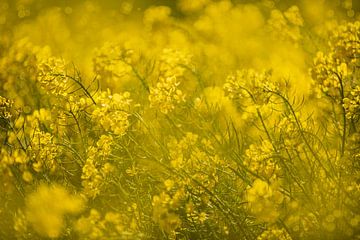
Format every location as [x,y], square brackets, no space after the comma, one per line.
[47,206]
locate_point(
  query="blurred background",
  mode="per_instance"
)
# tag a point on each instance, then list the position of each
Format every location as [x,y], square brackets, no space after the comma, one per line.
[232,32]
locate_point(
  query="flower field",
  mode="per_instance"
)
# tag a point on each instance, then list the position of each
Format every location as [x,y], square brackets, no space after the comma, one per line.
[180,119]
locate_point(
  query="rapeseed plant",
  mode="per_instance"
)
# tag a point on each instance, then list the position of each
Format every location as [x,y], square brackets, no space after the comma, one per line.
[209,119]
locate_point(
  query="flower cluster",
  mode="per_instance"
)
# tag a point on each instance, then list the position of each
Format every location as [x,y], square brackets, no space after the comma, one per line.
[47,206]
[352,103]
[163,214]
[274,233]
[5,108]
[174,63]
[187,192]
[325,73]
[113,62]
[52,76]
[289,133]
[192,155]
[260,160]
[191,6]
[286,25]
[16,158]
[264,200]
[112,111]
[166,94]
[301,222]
[250,84]
[96,167]
[19,70]
[344,42]
[334,72]
[43,151]
[111,225]
[156,15]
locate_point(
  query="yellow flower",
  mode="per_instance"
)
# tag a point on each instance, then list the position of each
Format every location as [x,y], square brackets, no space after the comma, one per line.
[27,176]
[264,200]
[169,184]
[47,206]
[158,14]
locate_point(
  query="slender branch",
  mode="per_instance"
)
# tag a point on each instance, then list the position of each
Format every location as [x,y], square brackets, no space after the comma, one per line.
[343,137]
[79,83]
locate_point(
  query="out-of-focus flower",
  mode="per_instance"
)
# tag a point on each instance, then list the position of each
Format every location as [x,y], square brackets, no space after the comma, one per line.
[264,200]
[47,207]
